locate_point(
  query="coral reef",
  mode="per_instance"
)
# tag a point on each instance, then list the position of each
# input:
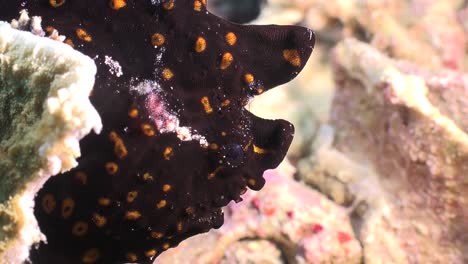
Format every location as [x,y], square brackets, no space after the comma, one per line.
[171,85]
[380,145]
[44,88]
[410,124]
[301,224]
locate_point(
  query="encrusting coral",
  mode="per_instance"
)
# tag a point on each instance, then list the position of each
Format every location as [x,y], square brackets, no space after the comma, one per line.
[177,143]
[410,124]
[303,225]
[44,96]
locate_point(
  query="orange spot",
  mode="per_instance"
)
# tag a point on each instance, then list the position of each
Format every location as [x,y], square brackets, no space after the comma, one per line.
[206,104]
[168,152]
[48,203]
[147,177]
[223,133]
[69,42]
[252,182]
[248,145]
[168,5]
[68,206]
[249,78]
[200,44]
[260,91]
[259,150]
[117,4]
[231,38]
[189,210]
[147,130]
[111,168]
[81,177]
[133,113]
[157,39]
[203,2]
[150,253]
[157,235]
[226,103]
[91,256]
[104,201]
[131,196]
[83,35]
[166,246]
[99,220]
[166,188]
[49,30]
[179,226]
[197,6]
[80,228]
[167,74]
[119,147]
[214,146]
[132,257]
[132,215]
[56,3]
[161,204]
[226,61]
[292,56]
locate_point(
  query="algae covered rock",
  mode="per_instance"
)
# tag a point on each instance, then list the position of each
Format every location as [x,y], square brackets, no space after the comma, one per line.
[44,89]
[286,217]
[410,125]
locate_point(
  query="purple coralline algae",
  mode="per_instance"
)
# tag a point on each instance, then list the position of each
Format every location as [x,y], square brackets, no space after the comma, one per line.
[177,143]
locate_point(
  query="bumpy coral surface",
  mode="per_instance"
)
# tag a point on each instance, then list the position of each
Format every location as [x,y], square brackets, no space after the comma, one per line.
[44,96]
[303,225]
[410,124]
[177,143]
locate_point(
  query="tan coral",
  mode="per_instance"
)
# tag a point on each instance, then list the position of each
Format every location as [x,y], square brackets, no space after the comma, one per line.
[410,125]
[45,85]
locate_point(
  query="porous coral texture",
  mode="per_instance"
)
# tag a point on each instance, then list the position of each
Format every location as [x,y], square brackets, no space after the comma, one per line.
[302,224]
[410,124]
[44,89]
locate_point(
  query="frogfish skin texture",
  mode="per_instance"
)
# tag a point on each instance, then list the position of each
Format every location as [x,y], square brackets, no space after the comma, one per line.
[177,142]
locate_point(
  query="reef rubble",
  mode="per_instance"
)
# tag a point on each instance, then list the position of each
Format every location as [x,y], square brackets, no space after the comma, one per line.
[409,123]
[287,219]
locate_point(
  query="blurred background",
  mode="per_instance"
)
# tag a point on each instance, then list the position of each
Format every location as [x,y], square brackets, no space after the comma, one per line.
[378,169]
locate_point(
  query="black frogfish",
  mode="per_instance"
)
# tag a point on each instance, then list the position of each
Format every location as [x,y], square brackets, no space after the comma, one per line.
[177,143]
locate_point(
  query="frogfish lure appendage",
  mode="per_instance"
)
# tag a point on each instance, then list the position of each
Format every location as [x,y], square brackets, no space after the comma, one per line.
[177,143]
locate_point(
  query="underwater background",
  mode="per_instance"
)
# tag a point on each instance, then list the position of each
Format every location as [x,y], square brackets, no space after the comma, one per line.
[377,170]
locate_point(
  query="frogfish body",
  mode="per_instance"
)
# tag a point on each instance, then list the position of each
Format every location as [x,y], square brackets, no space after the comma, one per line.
[177,143]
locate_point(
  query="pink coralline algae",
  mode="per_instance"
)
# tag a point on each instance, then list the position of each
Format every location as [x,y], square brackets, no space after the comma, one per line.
[177,143]
[302,224]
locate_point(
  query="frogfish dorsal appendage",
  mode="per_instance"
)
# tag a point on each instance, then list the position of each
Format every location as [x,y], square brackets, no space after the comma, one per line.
[177,143]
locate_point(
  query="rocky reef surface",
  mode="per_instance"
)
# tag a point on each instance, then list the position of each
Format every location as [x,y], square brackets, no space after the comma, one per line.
[291,222]
[377,170]
[410,123]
